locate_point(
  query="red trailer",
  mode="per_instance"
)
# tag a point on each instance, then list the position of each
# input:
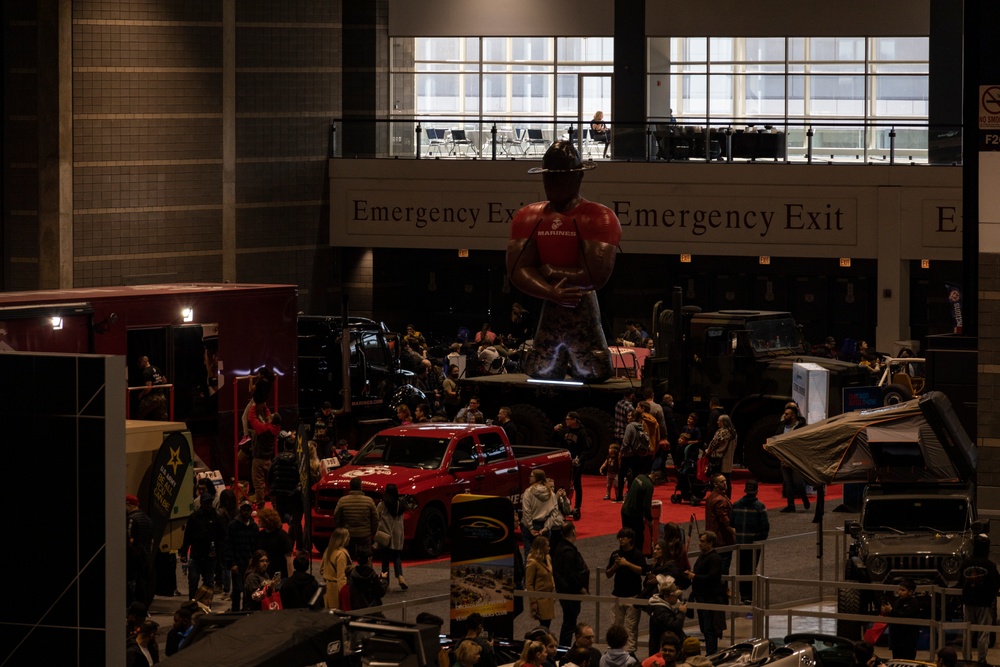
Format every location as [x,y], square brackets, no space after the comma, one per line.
[207,338]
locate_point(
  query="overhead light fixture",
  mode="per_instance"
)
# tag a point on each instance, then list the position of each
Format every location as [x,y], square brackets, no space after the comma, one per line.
[187,314]
[57,323]
[925,264]
[685,259]
[764,260]
[845,262]
[463,252]
[565,383]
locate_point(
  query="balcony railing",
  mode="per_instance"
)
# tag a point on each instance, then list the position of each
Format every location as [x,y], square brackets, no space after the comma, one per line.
[825,141]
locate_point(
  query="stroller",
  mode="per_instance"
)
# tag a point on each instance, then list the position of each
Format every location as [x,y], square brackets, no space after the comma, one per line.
[689,488]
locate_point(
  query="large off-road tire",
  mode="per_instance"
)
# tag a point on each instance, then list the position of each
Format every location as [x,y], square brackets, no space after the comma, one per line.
[319,543]
[600,427]
[764,467]
[533,427]
[895,393]
[432,533]
[849,602]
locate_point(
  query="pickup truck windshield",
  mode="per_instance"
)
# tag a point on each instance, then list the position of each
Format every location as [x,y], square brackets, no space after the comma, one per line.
[404,451]
[916,514]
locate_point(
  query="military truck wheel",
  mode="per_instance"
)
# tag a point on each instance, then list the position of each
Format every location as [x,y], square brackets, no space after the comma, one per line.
[432,533]
[895,393]
[764,467]
[600,430]
[533,427]
[849,602]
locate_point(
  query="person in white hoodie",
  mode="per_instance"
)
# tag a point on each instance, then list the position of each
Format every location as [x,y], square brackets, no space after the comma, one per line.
[539,511]
[617,655]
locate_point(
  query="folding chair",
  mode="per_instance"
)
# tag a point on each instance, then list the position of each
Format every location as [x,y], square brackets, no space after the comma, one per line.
[535,138]
[435,140]
[458,138]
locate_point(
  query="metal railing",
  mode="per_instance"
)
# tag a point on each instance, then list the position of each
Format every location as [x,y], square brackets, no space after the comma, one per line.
[169,388]
[718,140]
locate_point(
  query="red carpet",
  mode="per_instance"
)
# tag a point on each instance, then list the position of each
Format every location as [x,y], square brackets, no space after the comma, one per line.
[603,517]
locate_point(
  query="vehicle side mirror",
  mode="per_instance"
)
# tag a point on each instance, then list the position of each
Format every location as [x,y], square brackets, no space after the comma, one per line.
[852,528]
[981,526]
[463,465]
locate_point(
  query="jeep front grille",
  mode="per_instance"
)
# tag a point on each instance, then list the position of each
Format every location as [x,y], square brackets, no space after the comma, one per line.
[915,563]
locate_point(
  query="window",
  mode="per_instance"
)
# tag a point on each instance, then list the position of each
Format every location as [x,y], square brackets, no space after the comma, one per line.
[494,449]
[464,449]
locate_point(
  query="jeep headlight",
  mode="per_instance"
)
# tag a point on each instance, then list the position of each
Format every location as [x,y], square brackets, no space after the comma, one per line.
[878,565]
[409,502]
[951,565]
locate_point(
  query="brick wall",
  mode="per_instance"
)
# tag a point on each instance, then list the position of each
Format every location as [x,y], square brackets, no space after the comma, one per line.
[150,82]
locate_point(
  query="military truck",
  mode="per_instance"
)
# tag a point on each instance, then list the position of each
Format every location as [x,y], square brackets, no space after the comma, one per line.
[744,357]
[364,390]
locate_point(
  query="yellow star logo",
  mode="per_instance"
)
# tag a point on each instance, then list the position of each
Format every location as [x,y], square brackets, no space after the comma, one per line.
[175,459]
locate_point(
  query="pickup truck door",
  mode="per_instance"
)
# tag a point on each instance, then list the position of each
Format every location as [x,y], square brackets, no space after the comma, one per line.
[499,468]
[469,481]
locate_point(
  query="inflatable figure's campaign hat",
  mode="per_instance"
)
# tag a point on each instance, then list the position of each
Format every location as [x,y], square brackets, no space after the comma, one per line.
[562,157]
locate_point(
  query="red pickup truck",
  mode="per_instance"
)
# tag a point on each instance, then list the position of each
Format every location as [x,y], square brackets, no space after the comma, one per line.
[430,464]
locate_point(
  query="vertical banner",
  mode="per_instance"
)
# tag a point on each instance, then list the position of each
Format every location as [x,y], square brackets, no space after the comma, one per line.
[955,299]
[305,483]
[482,562]
[169,467]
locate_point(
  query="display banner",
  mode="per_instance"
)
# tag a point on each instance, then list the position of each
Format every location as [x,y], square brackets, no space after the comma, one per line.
[482,563]
[168,471]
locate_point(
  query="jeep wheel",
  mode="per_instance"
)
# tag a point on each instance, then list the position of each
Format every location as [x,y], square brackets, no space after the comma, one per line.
[849,602]
[764,467]
[600,431]
[895,393]
[533,427]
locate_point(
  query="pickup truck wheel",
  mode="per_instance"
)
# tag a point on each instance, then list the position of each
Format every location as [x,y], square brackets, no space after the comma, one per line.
[533,427]
[849,602]
[764,467]
[320,543]
[895,393]
[600,430]
[432,532]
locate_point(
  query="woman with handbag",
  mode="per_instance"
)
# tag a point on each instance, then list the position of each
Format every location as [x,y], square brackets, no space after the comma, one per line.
[721,449]
[389,535]
[538,577]
[334,566]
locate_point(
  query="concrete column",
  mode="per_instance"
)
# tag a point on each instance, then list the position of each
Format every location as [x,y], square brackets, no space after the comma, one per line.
[229,140]
[893,291]
[55,144]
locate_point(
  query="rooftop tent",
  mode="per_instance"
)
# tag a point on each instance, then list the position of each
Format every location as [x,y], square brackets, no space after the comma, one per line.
[915,441]
[286,638]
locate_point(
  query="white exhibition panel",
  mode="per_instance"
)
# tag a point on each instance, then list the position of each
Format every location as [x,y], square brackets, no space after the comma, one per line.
[746,210]
[811,390]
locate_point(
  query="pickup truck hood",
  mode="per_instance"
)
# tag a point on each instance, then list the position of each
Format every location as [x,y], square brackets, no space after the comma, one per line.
[913,543]
[375,477]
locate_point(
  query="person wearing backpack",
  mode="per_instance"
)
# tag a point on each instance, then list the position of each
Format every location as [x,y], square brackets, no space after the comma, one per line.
[635,440]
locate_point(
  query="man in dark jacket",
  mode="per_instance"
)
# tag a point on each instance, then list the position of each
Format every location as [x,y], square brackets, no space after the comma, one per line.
[706,586]
[752,525]
[205,536]
[241,542]
[573,437]
[364,583]
[979,582]
[299,589]
[638,507]
[571,576]
[286,489]
[356,513]
[139,563]
[903,638]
